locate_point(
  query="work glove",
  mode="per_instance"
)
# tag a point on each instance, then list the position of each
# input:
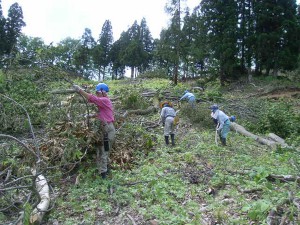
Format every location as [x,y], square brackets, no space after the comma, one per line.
[86,116]
[76,88]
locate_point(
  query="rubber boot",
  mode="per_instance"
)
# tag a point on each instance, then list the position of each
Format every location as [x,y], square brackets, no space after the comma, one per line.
[173,139]
[108,170]
[167,140]
[220,136]
[103,175]
[223,140]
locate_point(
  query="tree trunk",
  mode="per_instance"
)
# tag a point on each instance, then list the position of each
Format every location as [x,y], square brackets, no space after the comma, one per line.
[240,129]
[132,72]
[175,79]
[40,210]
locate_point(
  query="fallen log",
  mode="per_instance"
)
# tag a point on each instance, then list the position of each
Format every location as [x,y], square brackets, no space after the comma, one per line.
[240,129]
[284,178]
[63,91]
[277,138]
[41,104]
[150,109]
[42,187]
[198,88]
[148,94]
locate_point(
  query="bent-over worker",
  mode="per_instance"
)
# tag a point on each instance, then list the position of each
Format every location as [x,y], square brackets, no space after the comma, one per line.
[190,97]
[167,116]
[222,121]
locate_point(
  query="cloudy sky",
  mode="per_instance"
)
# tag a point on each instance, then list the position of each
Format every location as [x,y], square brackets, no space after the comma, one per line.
[54,20]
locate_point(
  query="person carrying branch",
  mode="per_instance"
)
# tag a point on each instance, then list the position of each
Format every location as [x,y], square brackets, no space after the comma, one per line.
[222,121]
[106,130]
[190,97]
[167,116]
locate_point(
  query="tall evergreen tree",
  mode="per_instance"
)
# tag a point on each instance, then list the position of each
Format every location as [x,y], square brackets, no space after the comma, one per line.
[221,18]
[246,35]
[118,68]
[147,42]
[2,32]
[133,54]
[13,26]
[191,49]
[174,9]
[164,52]
[277,35]
[83,55]
[102,49]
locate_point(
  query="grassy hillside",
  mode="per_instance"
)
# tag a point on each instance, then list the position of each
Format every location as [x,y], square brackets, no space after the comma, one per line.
[196,182]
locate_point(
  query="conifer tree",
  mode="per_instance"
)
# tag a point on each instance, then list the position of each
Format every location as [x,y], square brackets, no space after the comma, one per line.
[101,50]
[13,26]
[83,55]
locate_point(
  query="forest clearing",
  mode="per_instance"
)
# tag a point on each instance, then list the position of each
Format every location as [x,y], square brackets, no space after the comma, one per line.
[197,181]
[199,126]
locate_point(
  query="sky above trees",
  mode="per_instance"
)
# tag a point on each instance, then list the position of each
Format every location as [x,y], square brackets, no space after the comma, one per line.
[54,20]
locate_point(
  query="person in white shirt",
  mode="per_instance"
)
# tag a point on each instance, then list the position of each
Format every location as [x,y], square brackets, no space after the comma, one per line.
[167,116]
[222,121]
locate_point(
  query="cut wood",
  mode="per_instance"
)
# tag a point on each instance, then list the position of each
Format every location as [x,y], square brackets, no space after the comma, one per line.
[276,138]
[240,129]
[63,91]
[198,88]
[41,104]
[149,110]
[284,178]
[148,94]
[40,210]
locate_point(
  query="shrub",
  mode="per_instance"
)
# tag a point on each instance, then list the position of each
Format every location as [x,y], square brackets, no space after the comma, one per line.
[133,100]
[200,115]
[279,119]
[213,91]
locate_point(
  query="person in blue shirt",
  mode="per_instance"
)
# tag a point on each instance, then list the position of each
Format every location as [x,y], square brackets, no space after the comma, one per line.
[190,97]
[222,121]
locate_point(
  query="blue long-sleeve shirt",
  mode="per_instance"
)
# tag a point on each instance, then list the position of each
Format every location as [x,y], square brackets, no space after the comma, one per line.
[187,95]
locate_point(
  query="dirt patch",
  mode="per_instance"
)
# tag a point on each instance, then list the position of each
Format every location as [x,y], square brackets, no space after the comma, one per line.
[291,92]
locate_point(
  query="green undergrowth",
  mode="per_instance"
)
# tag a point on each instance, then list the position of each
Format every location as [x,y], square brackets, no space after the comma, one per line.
[187,184]
[195,181]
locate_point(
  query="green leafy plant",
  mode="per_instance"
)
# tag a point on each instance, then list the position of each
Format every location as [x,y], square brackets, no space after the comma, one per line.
[279,119]
[133,100]
[259,174]
[199,115]
[258,210]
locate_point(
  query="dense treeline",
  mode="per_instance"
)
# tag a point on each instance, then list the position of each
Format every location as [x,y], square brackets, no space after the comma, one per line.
[226,38]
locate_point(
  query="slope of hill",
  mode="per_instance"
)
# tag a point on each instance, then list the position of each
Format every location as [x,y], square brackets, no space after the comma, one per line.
[195,182]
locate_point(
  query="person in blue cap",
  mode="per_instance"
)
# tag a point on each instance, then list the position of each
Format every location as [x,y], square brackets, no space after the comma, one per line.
[190,97]
[106,129]
[222,121]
